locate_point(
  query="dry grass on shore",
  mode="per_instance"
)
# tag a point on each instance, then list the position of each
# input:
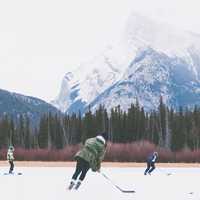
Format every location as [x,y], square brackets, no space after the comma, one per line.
[104,164]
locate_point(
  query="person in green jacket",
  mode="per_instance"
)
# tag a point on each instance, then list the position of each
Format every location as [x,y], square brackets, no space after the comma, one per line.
[10,158]
[89,157]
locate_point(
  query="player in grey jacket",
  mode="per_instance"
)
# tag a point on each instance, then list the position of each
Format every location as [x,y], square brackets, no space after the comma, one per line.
[10,158]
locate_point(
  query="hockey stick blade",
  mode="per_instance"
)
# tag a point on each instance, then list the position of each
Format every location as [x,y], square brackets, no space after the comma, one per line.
[120,189]
[126,191]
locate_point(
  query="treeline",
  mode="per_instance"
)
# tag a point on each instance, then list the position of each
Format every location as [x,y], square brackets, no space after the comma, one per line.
[165,127]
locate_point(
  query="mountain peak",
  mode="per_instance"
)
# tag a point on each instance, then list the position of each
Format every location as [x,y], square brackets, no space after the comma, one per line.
[14,104]
[151,59]
[68,76]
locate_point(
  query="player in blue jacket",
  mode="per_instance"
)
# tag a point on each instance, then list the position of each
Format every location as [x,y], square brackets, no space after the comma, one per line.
[151,160]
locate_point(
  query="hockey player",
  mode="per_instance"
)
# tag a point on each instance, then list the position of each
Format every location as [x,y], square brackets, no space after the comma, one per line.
[90,156]
[10,158]
[151,160]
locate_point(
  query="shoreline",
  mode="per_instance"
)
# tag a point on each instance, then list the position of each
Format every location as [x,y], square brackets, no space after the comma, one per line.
[104,164]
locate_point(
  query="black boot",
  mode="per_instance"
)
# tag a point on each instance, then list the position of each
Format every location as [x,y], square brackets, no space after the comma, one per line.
[77,185]
[71,185]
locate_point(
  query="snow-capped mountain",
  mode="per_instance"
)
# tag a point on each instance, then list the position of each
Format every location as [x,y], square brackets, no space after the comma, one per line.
[151,59]
[83,86]
[15,104]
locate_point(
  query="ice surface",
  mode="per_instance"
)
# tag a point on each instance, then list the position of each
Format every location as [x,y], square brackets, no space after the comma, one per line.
[51,183]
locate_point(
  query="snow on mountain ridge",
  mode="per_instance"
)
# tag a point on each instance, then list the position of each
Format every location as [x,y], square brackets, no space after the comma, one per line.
[143,64]
[151,75]
[86,84]
[138,83]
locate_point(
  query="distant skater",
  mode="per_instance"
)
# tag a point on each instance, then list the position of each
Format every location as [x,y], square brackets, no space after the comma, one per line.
[151,160]
[90,156]
[10,158]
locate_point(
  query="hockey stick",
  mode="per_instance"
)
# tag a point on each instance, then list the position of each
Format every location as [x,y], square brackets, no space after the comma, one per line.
[124,191]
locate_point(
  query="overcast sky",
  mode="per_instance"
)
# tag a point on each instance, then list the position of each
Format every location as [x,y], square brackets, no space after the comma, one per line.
[41,40]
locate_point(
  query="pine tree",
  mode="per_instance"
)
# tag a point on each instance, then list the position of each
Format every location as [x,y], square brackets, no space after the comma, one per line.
[131,130]
[21,131]
[12,132]
[162,122]
[4,131]
[59,136]
[179,131]
[43,135]
[89,130]
[27,137]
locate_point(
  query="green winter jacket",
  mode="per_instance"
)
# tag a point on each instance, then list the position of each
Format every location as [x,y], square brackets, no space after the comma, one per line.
[93,152]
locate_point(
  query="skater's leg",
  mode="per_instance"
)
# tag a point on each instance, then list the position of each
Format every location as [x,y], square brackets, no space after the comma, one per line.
[11,166]
[78,170]
[147,169]
[85,167]
[152,167]
[75,175]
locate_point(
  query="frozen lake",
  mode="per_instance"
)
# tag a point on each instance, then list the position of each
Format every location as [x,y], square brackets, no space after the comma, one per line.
[50,183]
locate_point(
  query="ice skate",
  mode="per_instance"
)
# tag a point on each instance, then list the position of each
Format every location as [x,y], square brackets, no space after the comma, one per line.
[71,185]
[77,185]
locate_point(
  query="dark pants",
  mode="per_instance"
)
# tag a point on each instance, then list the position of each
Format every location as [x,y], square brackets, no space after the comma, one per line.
[82,168]
[11,166]
[150,167]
